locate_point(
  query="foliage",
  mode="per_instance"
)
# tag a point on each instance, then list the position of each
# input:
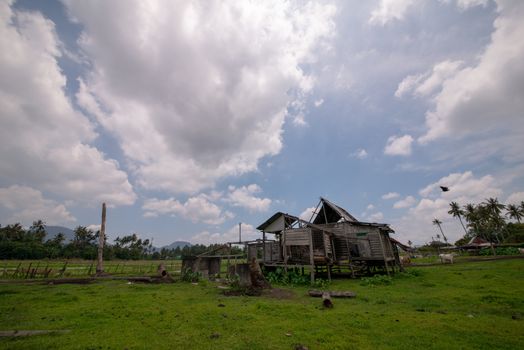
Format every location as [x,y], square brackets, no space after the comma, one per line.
[486,220]
[189,276]
[376,280]
[16,242]
[291,277]
[500,251]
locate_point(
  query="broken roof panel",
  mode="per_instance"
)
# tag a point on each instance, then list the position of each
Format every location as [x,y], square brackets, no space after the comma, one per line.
[277,222]
[331,213]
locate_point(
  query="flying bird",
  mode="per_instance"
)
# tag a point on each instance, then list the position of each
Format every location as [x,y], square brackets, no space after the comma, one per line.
[444,188]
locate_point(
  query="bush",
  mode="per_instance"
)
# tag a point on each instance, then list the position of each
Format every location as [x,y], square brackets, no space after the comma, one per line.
[280,276]
[499,251]
[189,276]
[376,280]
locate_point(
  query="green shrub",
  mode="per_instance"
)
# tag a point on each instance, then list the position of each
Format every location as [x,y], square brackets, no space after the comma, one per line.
[499,251]
[280,276]
[376,280]
[189,276]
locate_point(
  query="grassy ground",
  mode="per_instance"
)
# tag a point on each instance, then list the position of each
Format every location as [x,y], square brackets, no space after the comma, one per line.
[478,305]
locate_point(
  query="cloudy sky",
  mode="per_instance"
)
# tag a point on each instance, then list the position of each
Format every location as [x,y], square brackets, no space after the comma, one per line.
[187,118]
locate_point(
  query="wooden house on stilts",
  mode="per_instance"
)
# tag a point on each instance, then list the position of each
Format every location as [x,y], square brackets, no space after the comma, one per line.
[331,239]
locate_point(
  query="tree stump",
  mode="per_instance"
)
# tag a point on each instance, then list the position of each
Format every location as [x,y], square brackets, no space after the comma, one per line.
[326,300]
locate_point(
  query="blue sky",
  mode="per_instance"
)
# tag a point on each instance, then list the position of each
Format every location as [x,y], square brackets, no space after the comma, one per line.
[187,118]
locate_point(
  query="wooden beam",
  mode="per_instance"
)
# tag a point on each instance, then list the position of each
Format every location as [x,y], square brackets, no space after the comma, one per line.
[311,258]
[101,238]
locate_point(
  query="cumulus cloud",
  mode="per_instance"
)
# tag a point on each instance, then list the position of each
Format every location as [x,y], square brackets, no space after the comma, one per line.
[244,197]
[375,217]
[196,209]
[308,213]
[198,91]
[231,235]
[360,153]
[390,195]
[25,204]
[486,96]
[405,203]
[319,102]
[389,10]
[44,141]
[428,83]
[399,145]
[464,188]
[515,198]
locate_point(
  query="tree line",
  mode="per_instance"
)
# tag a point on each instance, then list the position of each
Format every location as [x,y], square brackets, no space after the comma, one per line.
[488,221]
[16,242]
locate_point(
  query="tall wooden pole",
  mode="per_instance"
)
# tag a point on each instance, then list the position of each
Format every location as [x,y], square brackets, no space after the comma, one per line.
[100,263]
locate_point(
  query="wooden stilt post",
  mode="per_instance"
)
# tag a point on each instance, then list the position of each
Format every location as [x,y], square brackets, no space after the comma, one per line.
[101,238]
[311,257]
[383,252]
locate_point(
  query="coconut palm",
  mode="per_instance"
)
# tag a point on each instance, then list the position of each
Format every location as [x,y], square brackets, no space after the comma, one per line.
[457,213]
[514,212]
[494,207]
[439,223]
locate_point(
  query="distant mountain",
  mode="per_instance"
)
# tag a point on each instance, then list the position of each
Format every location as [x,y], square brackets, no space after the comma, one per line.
[52,231]
[176,244]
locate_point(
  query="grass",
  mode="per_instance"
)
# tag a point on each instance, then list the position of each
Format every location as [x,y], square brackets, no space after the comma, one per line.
[478,305]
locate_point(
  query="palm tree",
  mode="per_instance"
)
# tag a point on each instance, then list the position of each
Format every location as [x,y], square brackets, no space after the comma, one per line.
[439,223]
[494,207]
[514,212]
[495,220]
[457,213]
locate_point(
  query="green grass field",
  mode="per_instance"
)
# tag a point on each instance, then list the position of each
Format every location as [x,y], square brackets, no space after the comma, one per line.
[477,305]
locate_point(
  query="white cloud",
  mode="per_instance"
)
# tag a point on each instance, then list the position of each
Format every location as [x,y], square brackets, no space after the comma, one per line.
[405,203]
[319,102]
[466,4]
[463,185]
[486,96]
[399,145]
[375,217]
[515,198]
[245,197]
[206,237]
[360,153]
[43,140]
[370,207]
[307,213]
[390,195]
[94,227]
[389,10]
[464,188]
[196,209]
[205,87]
[25,205]
[426,84]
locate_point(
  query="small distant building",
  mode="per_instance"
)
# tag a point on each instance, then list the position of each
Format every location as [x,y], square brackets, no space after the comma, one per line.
[476,243]
[331,238]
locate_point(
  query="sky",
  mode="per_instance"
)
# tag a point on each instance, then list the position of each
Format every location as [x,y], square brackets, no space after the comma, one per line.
[190,117]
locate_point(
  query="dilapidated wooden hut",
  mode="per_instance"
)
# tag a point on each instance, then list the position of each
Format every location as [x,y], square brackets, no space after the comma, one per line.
[331,238]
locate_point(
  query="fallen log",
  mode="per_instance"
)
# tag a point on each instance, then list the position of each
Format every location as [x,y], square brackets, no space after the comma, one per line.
[334,294]
[69,281]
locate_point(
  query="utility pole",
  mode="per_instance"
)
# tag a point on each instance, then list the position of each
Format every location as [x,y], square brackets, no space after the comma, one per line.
[239,232]
[101,238]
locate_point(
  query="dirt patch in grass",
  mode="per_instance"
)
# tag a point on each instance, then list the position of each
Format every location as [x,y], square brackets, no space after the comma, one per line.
[279,293]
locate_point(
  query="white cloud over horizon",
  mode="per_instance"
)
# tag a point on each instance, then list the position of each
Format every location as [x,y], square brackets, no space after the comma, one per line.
[25,205]
[45,141]
[197,209]
[187,112]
